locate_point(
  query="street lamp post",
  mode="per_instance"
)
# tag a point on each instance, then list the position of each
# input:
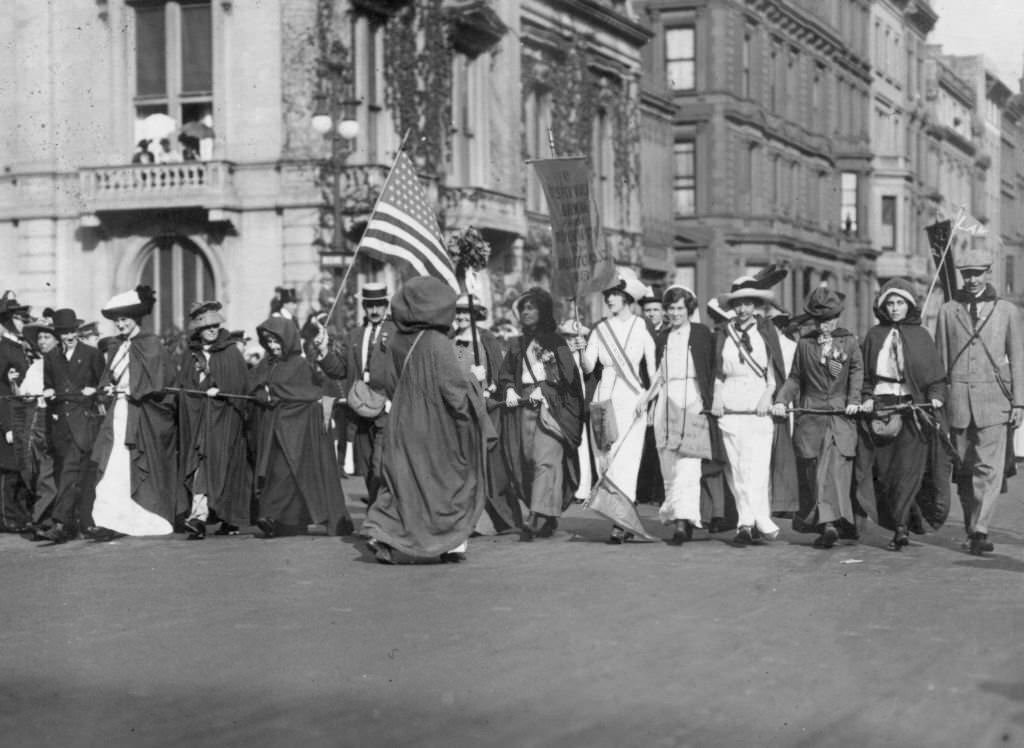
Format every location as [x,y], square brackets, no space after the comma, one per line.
[342,128]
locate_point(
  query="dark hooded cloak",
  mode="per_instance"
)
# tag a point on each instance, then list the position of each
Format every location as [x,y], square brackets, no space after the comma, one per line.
[434,448]
[211,431]
[296,470]
[926,379]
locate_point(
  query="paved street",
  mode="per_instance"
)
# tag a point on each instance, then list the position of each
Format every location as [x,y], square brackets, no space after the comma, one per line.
[568,642]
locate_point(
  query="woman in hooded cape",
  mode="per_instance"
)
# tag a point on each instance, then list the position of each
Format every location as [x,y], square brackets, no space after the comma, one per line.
[434,456]
[296,470]
[211,430]
[542,388]
[904,477]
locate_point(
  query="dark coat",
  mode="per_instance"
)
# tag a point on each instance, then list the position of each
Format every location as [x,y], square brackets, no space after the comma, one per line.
[75,418]
[151,435]
[212,430]
[926,379]
[289,417]
[811,385]
[12,356]
[434,449]
[563,390]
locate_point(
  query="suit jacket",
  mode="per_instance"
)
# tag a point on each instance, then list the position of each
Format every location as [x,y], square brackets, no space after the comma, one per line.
[383,378]
[810,385]
[975,392]
[77,417]
[12,356]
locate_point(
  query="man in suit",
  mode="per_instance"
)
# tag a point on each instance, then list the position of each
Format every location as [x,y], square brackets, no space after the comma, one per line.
[980,344]
[71,374]
[367,363]
[650,488]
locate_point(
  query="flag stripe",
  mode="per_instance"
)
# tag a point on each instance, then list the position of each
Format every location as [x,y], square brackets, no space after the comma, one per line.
[388,245]
[404,226]
[410,232]
[383,237]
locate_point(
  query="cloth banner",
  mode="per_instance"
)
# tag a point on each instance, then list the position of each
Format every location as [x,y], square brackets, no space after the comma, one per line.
[612,492]
[581,260]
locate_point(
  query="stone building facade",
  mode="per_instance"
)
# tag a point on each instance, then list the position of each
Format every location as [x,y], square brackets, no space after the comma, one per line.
[900,204]
[770,141]
[250,210]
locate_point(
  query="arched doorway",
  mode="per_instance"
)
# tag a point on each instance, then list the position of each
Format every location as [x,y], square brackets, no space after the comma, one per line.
[179,273]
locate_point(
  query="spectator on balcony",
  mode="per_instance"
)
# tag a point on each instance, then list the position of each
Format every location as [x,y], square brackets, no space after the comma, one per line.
[189,148]
[142,153]
[167,154]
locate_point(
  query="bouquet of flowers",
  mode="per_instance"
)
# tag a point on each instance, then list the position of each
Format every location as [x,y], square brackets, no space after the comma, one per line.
[468,250]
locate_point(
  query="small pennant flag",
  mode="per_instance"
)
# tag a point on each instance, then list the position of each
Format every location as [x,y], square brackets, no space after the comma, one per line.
[939,239]
[404,226]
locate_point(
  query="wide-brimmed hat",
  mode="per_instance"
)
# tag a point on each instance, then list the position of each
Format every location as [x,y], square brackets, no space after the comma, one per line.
[373,293]
[33,327]
[65,320]
[718,311]
[629,286]
[88,329]
[136,303]
[286,295]
[746,287]
[479,311]
[204,314]
[978,258]
[823,303]
[9,305]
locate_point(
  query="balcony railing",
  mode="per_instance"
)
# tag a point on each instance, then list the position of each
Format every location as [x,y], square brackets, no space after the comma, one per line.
[191,184]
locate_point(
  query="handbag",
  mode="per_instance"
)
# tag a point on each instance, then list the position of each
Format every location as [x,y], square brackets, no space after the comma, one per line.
[364,400]
[695,441]
[603,424]
[885,428]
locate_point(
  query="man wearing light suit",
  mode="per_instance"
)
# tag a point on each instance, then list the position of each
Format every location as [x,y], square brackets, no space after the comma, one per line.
[980,343]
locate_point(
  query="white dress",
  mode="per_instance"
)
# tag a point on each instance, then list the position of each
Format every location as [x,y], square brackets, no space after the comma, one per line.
[620,463]
[747,438]
[678,386]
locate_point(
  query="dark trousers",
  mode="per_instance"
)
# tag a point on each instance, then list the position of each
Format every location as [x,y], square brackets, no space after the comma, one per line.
[76,475]
[14,512]
[650,488]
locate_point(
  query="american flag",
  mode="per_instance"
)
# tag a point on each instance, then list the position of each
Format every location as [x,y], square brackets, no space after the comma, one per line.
[404,227]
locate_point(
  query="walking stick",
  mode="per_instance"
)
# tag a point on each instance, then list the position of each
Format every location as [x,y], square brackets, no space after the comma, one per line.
[185,391]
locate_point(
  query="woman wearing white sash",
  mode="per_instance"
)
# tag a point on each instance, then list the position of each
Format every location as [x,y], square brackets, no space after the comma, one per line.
[619,343]
[744,387]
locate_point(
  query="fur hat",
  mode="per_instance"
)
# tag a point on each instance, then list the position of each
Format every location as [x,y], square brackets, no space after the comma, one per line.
[204,314]
[136,303]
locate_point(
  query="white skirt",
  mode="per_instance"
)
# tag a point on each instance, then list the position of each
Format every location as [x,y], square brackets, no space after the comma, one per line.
[114,508]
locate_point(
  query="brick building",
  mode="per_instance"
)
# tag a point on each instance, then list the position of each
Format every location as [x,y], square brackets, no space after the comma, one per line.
[770,141]
[900,202]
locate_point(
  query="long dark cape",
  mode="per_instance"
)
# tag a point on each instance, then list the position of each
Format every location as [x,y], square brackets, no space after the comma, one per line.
[151,435]
[212,431]
[294,423]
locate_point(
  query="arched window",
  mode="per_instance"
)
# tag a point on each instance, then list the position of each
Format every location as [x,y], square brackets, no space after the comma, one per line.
[180,274]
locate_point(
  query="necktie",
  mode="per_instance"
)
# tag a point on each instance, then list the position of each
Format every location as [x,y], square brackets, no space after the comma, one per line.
[745,339]
[973,306]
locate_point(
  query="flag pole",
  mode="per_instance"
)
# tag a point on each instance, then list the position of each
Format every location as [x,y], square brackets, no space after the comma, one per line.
[352,264]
